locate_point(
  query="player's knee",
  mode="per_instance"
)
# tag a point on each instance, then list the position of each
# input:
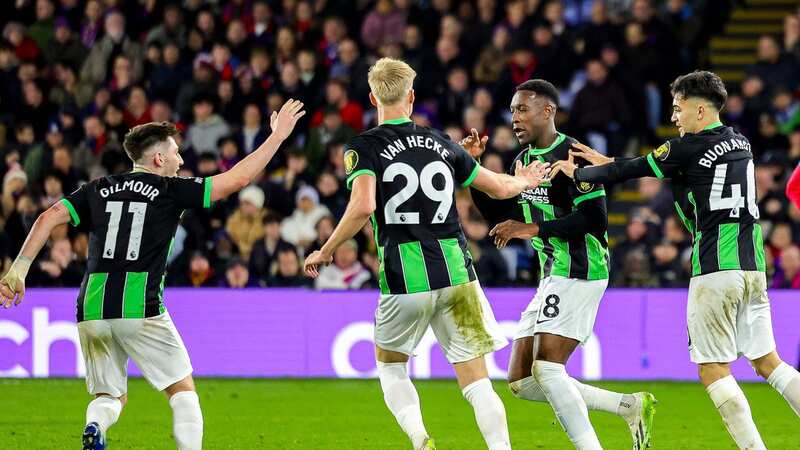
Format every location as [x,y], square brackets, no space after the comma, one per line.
[123,399]
[765,365]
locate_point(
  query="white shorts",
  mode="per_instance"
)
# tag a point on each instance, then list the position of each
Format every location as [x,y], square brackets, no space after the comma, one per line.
[153,343]
[564,307]
[728,315]
[460,316]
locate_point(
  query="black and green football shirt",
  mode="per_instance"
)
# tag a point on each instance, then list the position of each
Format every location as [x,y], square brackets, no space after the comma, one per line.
[713,183]
[572,218]
[421,246]
[132,220]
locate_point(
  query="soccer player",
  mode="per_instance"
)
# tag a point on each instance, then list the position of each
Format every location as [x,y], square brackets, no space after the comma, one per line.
[728,313]
[410,173]
[121,313]
[566,225]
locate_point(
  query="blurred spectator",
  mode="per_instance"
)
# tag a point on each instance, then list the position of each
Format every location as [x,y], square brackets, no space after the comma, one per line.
[97,68]
[331,129]
[298,229]
[253,132]
[265,250]
[384,24]
[199,273]
[289,270]
[787,275]
[346,272]
[208,126]
[237,275]
[780,69]
[245,225]
[599,111]
[64,46]
[336,96]
[59,268]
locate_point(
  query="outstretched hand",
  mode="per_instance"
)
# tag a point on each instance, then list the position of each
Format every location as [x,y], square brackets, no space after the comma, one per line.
[567,167]
[534,173]
[589,154]
[474,144]
[282,122]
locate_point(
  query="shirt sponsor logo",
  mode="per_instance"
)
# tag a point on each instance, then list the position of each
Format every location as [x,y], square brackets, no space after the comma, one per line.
[536,195]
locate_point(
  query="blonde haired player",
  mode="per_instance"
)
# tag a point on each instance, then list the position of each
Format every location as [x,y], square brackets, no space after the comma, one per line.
[121,313]
[403,177]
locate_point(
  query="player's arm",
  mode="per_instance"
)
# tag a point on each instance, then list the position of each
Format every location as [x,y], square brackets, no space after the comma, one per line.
[589,215]
[502,186]
[359,209]
[793,187]
[240,175]
[605,169]
[12,285]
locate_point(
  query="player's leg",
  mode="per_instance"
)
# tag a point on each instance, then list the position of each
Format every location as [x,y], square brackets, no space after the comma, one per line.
[551,353]
[106,379]
[523,385]
[400,395]
[490,413]
[466,329]
[158,350]
[781,376]
[187,417]
[400,323]
[715,301]
[756,341]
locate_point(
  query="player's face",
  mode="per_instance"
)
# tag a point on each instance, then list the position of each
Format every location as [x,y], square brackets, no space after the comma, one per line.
[686,114]
[529,115]
[171,159]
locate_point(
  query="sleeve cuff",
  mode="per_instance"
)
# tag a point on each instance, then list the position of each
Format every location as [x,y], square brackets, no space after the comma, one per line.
[207,186]
[74,219]
[356,174]
[578,200]
[654,166]
[471,176]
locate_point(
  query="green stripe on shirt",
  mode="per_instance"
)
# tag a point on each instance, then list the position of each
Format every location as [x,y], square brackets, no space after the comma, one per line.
[471,176]
[75,220]
[415,273]
[356,174]
[207,185]
[589,196]
[94,296]
[656,170]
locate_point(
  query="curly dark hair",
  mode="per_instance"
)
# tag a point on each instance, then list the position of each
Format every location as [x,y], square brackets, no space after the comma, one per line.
[703,84]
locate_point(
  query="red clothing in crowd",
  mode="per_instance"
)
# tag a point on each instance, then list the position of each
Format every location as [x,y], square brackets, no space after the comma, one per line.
[793,187]
[352,115]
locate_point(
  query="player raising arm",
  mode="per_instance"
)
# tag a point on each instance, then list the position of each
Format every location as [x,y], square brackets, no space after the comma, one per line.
[404,177]
[728,312]
[132,219]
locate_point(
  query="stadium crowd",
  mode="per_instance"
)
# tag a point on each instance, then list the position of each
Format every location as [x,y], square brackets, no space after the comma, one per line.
[75,75]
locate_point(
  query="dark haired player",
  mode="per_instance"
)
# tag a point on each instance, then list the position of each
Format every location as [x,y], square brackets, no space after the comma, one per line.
[121,313]
[728,313]
[566,225]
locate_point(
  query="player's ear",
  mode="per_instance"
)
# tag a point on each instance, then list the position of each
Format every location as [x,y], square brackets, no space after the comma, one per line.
[373,100]
[411,96]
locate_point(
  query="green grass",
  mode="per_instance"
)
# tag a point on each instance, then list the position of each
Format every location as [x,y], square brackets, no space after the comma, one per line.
[350,414]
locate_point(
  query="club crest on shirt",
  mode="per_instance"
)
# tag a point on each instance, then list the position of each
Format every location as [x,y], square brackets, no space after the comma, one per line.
[350,161]
[584,187]
[662,152]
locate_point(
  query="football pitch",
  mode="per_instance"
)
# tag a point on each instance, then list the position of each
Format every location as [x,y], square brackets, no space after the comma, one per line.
[350,414]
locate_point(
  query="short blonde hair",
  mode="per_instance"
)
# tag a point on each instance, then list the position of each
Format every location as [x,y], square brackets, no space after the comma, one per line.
[390,79]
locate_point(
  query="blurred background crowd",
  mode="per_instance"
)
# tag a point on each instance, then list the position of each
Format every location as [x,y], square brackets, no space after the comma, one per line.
[75,75]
